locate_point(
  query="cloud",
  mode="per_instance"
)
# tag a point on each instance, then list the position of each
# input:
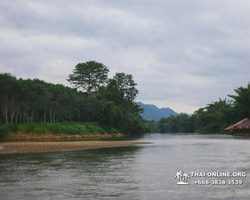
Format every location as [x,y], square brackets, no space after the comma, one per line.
[182,54]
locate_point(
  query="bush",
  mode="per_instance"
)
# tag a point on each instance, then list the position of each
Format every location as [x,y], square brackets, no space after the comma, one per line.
[94,128]
[83,129]
[113,130]
[40,128]
[57,128]
[72,129]
[4,130]
[26,128]
[49,127]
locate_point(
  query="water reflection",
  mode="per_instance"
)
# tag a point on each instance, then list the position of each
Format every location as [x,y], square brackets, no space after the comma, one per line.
[135,172]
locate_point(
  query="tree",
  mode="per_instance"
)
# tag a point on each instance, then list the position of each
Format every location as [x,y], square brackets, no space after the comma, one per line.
[89,76]
[57,92]
[126,85]
[118,110]
[214,118]
[113,93]
[112,106]
[242,102]
[9,91]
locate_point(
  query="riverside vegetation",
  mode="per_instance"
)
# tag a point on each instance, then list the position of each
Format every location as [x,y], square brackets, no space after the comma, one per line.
[214,118]
[100,105]
[96,104]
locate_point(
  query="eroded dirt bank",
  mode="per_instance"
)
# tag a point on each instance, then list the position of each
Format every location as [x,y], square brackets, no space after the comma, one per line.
[37,147]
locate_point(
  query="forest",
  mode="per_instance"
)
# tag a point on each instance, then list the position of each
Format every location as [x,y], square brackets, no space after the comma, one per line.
[214,118]
[95,104]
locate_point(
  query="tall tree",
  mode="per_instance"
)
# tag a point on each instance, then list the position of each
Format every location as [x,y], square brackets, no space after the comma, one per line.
[242,102]
[126,84]
[9,89]
[89,76]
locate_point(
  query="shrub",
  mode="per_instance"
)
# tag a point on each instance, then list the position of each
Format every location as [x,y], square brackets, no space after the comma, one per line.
[113,130]
[83,129]
[4,130]
[94,128]
[40,128]
[57,128]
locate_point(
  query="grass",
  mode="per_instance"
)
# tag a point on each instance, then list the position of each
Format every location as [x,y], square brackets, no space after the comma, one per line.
[70,128]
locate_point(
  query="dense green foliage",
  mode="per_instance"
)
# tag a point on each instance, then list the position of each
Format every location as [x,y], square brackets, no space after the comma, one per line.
[109,103]
[89,76]
[72,128]
[212,119]
[102,105]
[176,124]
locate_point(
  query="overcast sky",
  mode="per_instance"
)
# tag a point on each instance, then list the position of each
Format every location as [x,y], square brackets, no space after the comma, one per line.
[183,54]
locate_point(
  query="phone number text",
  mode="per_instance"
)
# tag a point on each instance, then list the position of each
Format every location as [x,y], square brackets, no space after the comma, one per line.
[219,182]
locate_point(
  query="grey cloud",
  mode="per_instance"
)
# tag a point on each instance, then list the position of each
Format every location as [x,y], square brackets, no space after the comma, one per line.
[181,51]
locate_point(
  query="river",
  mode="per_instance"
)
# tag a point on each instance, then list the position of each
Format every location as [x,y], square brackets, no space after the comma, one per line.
[142,172]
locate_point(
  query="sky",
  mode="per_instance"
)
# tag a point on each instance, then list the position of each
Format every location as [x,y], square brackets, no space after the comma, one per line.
[183,54]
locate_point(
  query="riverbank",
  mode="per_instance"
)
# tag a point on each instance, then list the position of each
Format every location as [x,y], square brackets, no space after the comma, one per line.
[48,136]
[39,147]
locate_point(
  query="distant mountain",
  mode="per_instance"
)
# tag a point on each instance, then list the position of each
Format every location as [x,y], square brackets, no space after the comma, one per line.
[153,112]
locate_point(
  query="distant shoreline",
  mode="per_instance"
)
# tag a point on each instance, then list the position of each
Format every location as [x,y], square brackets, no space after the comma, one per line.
[39,147]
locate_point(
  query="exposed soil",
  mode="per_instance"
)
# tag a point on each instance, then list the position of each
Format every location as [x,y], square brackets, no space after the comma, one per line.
[36,136]
[37,147]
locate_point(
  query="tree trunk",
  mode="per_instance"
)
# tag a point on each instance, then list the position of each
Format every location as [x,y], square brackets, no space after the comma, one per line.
[12,110]
[50,114]
[54,117]
[5,109]
[17,113]
[32,115]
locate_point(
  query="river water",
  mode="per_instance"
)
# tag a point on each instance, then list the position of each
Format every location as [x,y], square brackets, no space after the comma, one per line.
[136,172]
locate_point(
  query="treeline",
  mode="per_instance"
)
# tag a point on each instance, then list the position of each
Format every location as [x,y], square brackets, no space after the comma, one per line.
[95,98]
[212,119]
